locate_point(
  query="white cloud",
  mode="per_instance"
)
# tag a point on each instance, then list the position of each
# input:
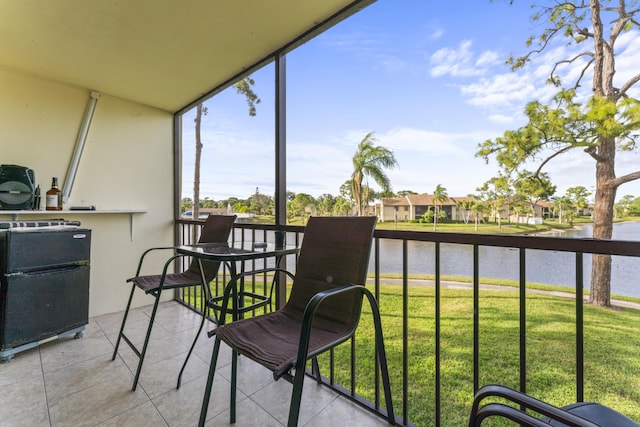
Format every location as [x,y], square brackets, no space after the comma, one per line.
[419,140]
[627,60]
[486,58]
[506,93]
[456,62]
[502,119]
[436,34]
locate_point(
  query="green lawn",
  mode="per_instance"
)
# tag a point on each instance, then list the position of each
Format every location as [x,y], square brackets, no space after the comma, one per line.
[483,228]
[611,347]
[612,341]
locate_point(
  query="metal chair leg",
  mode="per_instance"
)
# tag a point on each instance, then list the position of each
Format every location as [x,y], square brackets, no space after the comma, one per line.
[382,357]
[296,397]
[234,384]
[124,321]
[315,369]
[193,345]
[207,390]
[146,341]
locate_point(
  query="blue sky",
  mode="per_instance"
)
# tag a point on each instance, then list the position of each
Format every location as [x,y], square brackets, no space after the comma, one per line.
[428,79]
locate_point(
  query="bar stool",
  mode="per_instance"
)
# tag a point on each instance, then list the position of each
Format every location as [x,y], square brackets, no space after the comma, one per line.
[216,229]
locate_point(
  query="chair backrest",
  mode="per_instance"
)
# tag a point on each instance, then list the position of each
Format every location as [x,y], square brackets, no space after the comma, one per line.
[335,251]
[216,229]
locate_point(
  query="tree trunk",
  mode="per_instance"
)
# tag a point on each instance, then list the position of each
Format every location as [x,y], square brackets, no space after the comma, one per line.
[435,217]
[356,192]
[603,222]
[196,169]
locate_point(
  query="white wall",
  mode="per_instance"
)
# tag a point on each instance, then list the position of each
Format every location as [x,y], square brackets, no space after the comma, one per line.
[127,163]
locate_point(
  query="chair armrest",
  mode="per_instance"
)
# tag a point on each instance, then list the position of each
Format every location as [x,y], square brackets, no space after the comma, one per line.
[528,402]
[144,254]
[509,412]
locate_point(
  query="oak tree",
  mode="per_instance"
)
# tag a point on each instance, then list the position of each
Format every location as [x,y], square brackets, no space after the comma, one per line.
[600,118]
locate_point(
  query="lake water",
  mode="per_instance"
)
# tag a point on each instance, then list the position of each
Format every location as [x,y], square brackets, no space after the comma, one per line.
[556,268]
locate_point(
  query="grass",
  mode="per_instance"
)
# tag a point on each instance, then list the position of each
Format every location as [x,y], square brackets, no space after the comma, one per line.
[611,351]
[483,228]
[611,343]
[502,282]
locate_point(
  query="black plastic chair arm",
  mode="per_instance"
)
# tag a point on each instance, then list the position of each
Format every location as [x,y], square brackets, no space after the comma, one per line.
[144,254]
[528,402]
[505,411]
[307,321]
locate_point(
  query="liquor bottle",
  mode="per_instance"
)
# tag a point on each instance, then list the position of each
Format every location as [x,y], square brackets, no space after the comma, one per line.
[54,197]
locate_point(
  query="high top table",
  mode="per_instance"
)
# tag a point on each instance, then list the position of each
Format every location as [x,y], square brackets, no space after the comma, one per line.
[232,254]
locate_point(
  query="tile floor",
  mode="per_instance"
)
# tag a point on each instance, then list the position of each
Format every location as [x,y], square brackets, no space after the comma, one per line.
[73,382]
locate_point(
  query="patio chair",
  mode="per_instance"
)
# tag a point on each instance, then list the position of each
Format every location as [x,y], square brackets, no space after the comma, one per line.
[216,229]
[323,311]
[582,414]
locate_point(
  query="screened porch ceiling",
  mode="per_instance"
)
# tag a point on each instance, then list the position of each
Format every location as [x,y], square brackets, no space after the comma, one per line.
[161,53]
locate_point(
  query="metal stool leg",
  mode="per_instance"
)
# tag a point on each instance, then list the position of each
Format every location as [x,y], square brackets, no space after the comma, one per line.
[146,340]
[193,345]
[124,321]
[207,390]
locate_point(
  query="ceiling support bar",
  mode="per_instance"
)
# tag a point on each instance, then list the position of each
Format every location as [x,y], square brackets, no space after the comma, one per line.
[80,141]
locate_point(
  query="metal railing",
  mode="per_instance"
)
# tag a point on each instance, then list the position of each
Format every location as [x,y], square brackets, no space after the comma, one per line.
[431,348]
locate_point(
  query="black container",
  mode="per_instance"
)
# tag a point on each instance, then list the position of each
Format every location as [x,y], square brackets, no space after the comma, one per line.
[44,285]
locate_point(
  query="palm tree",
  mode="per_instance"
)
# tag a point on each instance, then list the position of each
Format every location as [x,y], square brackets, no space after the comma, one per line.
[439,196]
[370,160]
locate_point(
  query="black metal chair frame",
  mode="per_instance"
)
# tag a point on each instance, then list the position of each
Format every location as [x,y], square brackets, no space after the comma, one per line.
[156,293]
[303,353]
[554,415]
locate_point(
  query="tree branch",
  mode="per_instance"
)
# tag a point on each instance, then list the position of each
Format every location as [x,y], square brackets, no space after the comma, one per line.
[628,84]
[591,150]
[570,60]
[548,159]
[519,62]
[625,178]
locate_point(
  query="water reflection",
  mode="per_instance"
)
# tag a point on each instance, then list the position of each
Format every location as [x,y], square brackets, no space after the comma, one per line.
[556,268]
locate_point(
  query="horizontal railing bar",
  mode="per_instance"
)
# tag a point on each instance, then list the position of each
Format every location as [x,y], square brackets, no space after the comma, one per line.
[586,245]
[520,242]
[563,244]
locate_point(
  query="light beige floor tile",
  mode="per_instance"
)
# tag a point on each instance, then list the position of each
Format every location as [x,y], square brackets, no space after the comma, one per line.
[144,415]
[136,326]
[248,414]
[96,404]
[96,372]
[68,350]
[182,407]
[162,376]
[110,323]
[276,397]
[205,351]
[345,413]
[158,349]
[187,337]
[178,319]
[251,376]
[84,387]
[24,403]
[22,367]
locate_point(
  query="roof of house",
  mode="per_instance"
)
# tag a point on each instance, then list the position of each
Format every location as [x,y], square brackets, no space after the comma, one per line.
[161,53]
[421,200]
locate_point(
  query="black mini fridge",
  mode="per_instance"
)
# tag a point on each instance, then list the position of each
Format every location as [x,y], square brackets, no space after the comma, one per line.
[44,285]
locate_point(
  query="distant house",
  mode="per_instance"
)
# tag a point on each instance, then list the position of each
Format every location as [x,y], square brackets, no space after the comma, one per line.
[205,212]
[413,206]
